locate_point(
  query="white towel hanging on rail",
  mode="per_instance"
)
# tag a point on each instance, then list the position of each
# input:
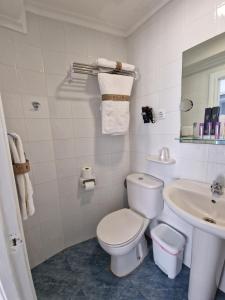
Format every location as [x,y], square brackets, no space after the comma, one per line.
[115,90]
[24,187]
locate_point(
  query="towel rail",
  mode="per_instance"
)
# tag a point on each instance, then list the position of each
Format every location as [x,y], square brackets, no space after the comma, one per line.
[93,70]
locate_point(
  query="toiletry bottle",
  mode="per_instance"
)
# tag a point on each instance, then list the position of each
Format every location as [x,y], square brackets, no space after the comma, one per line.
[195,130]
[217,130]
[209,125]
[207,119]
[201,130]
[215,118]
[222,131]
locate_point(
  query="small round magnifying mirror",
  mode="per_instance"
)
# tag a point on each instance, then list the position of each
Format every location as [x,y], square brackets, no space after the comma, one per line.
[186,105]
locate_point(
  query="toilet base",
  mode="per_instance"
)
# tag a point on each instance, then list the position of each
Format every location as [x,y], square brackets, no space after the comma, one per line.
[122,265]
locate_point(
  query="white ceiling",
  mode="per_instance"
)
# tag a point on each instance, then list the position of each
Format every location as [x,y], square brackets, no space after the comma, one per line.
[12,15]
[120,17]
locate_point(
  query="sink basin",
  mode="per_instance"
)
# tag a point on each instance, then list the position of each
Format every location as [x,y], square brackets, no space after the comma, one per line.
[194,202]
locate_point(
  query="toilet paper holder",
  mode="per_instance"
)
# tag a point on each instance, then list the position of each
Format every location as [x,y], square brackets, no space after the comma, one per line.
[83,181]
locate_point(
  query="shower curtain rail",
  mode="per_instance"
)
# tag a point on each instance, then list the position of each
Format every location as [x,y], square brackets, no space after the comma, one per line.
[93,70]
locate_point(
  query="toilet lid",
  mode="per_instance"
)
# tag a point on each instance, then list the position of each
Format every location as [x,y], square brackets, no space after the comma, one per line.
[119,227]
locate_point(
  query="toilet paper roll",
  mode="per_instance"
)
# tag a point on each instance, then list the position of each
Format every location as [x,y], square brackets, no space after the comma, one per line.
[86,172]
[89,186]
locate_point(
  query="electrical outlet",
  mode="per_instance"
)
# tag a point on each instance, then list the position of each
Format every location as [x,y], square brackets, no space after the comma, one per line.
[161,114]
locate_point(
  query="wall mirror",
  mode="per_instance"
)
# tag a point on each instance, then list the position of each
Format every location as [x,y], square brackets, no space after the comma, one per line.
[203,93]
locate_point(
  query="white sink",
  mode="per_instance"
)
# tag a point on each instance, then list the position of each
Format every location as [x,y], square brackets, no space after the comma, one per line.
[192,201]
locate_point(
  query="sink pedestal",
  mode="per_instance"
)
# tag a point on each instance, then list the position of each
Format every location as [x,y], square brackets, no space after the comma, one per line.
[208,255]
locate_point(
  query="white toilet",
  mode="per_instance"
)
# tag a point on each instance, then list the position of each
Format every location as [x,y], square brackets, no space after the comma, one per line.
[121,233]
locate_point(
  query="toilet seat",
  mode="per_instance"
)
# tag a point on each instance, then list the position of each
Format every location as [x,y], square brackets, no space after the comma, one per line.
[120,227]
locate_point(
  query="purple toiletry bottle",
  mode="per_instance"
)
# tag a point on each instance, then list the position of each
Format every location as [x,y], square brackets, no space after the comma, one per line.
[217,130]
[209,126]
[201,130]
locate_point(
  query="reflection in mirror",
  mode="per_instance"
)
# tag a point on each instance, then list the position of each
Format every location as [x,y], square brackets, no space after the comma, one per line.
[203,91]
[222,96]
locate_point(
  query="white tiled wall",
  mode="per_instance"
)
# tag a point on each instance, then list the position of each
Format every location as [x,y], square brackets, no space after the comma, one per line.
[156,49]
[64,135]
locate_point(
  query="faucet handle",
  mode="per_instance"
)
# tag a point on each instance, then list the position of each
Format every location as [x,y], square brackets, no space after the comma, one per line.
[217,188]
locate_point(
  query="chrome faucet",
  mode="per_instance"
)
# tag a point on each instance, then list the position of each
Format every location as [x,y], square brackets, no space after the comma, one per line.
[217,188]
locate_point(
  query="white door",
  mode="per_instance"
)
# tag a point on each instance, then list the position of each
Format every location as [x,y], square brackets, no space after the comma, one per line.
[15,275]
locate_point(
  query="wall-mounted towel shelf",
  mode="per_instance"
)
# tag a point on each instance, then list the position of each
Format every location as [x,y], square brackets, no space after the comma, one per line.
[93,70]
[155,158]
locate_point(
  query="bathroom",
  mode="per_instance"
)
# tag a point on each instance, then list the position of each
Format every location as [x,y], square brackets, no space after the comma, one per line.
[55,109]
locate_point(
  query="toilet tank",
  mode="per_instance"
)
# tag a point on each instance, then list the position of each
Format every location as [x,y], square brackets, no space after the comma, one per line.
[145,194]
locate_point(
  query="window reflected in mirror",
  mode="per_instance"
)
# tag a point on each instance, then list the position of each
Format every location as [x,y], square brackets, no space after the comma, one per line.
[221,99]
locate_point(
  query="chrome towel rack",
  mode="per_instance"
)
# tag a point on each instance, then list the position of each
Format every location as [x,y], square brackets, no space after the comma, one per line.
[93,70]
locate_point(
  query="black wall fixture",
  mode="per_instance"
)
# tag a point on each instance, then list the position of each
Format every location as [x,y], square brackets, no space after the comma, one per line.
[147,114]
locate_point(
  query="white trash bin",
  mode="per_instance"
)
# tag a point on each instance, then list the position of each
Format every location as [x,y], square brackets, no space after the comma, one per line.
[168,249]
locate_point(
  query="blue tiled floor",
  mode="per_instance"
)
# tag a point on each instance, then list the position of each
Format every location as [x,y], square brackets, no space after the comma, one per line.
[82,272]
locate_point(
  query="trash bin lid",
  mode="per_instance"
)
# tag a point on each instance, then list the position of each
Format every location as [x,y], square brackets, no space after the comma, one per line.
[168,238]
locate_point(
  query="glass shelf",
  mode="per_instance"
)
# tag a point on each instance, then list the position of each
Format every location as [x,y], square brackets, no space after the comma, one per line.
[190,139]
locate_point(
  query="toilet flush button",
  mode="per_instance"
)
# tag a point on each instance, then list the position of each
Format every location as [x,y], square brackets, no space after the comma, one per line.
[140,178]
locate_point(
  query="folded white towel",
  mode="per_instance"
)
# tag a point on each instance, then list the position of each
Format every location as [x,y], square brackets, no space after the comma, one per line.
[115,117]
[103,62]
[24,187]
[115,114]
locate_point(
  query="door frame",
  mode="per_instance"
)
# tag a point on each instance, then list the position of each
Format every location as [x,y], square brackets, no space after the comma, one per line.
[15,274]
